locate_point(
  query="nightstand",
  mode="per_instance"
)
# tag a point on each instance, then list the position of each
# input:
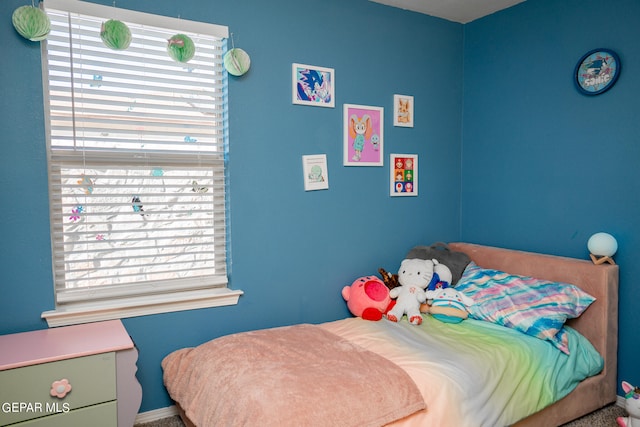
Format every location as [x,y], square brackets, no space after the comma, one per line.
[80,375]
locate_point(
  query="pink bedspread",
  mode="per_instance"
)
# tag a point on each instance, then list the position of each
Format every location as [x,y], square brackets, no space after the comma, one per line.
[307,376]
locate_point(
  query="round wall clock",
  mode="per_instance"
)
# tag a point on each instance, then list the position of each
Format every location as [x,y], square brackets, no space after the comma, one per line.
[597,71]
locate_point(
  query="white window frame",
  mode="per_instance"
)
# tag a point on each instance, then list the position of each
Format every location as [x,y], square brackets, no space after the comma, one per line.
[161,297]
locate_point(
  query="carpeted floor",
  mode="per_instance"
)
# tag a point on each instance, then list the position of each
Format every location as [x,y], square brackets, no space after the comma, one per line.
[606,417]
[164,422]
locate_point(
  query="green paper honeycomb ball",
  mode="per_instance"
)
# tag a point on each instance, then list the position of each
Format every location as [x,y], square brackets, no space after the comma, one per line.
[236,61]
[31,23]
[115,34]
[181,48]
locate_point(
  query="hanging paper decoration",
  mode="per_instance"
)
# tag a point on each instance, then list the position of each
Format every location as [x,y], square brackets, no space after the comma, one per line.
[115,34]
[86,183]
[97,78]
[196,188]
[31,23]
[136,204]
[181,48]
[75,213]
[236,61]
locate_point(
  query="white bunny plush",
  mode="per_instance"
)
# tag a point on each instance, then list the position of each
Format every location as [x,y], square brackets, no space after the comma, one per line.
[414,276]
[632,405]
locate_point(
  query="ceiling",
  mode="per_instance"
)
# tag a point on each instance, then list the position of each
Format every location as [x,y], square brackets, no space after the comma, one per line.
[462,11]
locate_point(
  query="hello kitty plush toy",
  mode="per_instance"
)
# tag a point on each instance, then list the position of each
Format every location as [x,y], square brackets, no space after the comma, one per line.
[632,405]
[414,276]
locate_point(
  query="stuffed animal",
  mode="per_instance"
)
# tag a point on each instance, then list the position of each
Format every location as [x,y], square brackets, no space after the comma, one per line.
[441,279]
[368,297]
[632,405]
[414,276]
[389,279]
[450,306]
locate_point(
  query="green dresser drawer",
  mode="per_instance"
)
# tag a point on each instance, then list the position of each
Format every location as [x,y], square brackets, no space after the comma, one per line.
[102,415]
[25,392]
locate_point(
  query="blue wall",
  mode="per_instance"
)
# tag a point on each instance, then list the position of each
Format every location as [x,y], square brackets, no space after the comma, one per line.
[534,165]
[292,251]
[544,167]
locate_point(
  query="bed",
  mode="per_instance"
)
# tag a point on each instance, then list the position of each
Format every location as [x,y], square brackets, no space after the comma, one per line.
[368,373]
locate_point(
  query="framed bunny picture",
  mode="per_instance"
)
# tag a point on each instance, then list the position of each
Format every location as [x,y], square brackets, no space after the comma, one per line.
[363,135]
[403,111]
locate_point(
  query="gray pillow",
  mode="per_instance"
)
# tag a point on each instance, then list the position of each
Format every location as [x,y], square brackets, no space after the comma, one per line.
[456,261]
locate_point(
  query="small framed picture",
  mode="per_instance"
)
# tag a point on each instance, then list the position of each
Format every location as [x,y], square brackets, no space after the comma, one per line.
[313,85]
[315,171]
[404,174]
[403,111]
[363,135]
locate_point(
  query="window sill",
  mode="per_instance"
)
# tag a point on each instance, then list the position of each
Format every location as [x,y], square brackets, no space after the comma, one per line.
[141,306]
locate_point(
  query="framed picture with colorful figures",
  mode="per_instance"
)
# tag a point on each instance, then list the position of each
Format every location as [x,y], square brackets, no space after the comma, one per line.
[403,175]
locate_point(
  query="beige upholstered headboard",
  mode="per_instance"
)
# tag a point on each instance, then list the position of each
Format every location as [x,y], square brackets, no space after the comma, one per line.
[599,323]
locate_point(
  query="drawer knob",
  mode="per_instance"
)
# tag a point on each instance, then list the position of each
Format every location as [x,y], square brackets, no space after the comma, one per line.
[60,388]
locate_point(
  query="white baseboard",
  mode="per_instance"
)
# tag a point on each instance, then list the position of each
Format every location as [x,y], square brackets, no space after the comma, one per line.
[156,414]
[170,411]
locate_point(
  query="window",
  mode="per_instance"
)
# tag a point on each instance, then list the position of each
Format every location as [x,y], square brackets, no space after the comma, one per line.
[137,153]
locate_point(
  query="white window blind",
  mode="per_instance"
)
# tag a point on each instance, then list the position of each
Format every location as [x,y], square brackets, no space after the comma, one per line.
[137,155]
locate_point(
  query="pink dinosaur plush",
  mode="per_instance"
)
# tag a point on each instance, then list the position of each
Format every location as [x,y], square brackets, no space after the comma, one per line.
[368,297]
[632,405]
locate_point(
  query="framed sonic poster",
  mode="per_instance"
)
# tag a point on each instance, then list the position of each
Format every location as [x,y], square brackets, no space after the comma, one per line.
[313,85]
